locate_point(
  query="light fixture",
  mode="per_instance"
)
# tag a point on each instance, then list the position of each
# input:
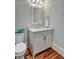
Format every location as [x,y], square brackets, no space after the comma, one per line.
[36,3]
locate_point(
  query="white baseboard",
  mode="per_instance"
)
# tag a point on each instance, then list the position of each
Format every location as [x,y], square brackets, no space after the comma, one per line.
[58,49]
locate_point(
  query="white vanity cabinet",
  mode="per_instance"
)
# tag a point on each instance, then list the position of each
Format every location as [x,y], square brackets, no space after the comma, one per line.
[39,40]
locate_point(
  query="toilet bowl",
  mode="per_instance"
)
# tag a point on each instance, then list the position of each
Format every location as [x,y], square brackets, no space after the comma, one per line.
[20,49]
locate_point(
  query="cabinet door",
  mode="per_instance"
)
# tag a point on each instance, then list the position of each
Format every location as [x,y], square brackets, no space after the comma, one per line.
[48,40]
[38,42]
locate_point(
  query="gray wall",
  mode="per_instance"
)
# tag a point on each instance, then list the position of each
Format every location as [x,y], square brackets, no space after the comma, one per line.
[55,11]
[56,15]
[23,14]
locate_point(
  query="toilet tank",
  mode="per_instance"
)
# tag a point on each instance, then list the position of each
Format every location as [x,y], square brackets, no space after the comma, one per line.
[19,37]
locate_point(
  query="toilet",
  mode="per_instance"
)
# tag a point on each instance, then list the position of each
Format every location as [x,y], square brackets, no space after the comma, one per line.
[20,46]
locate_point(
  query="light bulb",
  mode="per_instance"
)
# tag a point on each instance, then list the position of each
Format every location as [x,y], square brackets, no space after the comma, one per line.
[40,3]
[37,1]
[33,1]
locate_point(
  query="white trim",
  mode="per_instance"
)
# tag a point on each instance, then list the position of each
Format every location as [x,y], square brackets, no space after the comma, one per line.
[58,49]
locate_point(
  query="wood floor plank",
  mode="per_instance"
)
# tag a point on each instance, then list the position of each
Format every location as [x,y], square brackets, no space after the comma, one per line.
[47,54]
[51,55]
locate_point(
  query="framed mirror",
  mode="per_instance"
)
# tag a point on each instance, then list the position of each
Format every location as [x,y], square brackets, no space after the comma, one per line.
[38,14]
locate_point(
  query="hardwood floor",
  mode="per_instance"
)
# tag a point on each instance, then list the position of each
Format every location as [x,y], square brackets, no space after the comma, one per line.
[47,54]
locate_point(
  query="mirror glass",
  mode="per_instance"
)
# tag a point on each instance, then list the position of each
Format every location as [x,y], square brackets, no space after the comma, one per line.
[38,15]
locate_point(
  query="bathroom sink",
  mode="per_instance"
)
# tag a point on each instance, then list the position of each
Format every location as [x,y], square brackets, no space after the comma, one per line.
[36,29]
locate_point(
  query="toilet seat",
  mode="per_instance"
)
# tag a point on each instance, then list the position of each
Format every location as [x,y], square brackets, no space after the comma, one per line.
[20,48]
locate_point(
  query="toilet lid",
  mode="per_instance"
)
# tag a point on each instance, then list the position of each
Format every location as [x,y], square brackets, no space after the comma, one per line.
[20,47]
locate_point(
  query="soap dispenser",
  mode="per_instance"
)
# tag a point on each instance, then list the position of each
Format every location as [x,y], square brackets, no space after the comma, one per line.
[47,22]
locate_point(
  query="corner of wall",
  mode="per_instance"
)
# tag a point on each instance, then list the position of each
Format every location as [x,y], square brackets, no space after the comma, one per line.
[58,49]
